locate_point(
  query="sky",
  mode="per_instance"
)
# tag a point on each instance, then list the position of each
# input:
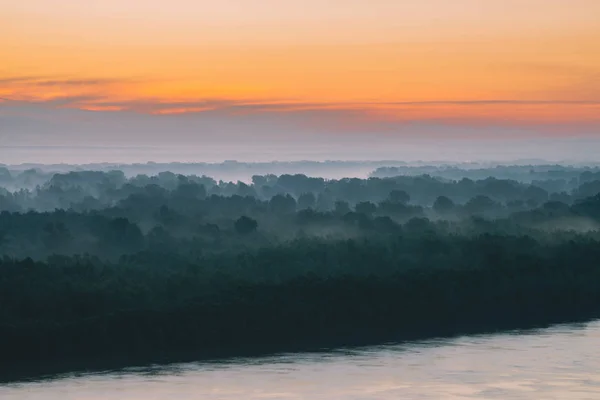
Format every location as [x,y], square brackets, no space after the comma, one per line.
[194,72]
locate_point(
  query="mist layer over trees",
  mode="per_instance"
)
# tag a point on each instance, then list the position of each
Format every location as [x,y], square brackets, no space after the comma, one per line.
[167,266]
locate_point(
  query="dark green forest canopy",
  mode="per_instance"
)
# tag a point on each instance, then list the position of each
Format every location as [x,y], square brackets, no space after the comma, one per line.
[170,266]
[108,215]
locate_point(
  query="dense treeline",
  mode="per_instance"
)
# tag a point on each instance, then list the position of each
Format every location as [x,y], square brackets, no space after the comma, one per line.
[29,175]
[561,174]
[108,215]
[96,264]
[24,175]
[303,295]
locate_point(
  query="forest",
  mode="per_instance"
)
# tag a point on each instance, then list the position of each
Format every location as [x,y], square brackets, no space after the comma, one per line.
[130,268]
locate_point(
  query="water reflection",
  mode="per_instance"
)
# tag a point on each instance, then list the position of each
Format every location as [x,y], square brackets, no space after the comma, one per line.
[556,363]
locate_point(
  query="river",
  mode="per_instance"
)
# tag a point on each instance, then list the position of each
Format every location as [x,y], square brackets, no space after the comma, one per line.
[561,362]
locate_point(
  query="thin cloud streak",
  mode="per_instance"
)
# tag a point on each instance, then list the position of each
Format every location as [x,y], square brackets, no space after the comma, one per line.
[504,112]
[20,79]
[59,81]
[114,96]
[311,117]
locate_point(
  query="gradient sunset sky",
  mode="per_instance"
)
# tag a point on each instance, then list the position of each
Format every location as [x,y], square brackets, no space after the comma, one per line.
[125,71]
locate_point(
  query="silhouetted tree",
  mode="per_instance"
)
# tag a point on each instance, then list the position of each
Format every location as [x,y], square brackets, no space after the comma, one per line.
[443,205]
[365,207]
[341,207]
[399,196]
[306,200]
[245,225]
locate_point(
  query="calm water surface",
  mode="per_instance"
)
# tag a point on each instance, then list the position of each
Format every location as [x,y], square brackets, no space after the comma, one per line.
[557,363]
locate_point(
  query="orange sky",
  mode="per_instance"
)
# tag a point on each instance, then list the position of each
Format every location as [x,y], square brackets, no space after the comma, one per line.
[500,61]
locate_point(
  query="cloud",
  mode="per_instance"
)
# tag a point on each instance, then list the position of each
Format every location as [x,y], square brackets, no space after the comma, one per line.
[222,115]
[378,116]
[40,98]
[74,101]
[492,102]
[19,79]
[33,80]
[74,82]
[128,95]
[158,106]
[60,92]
